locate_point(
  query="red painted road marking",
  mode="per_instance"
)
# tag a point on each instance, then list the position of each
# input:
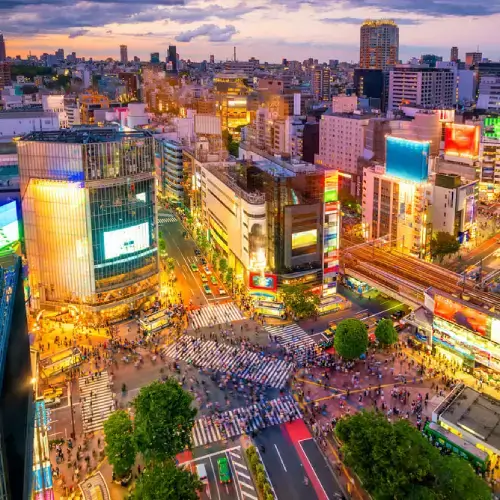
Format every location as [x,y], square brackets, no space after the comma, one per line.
[185,456]
[298,432]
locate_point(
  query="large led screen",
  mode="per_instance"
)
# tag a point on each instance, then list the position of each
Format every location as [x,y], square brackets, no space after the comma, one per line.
[263,281]
[407,159]
[461,140]
[9,224]
[125,241]
[492,127]
[461,315]
[304,239]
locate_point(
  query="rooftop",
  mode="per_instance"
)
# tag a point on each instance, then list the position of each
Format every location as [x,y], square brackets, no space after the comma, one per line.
[355,115]
[474,413]
[87,135]
[9,115]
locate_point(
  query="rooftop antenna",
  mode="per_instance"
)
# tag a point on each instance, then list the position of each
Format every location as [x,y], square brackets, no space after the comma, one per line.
[234,54]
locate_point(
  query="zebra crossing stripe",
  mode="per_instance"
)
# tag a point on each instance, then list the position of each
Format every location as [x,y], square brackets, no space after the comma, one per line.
[96,401]
[231,424]
[291,335]
[215,315]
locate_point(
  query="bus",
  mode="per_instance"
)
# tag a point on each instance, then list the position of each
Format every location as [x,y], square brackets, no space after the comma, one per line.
[61,361]
[155,322]
[271,309]
[445,439]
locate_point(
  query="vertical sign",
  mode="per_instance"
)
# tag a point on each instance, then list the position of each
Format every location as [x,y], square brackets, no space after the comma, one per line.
[331,233]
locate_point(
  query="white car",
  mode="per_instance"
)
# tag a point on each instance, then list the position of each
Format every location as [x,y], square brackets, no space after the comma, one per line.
[222,291]
[207,270]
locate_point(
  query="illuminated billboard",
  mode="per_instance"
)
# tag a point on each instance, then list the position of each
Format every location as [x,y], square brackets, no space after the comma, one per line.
[461,315]
[331,231]
[258,281]
[492,127]
[9,224]
[331,186]
[461,140]
[304,238]
[125,241]
[407,159]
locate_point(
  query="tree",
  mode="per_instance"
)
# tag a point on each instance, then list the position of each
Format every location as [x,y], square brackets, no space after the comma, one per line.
[202,241]
[394,460]
[223,266]
[162,246]
[351,338]
[385,333]
[442,244]
[301,301]
[170,263]
[120,444]
[229,275]
[167,481]
[164,419]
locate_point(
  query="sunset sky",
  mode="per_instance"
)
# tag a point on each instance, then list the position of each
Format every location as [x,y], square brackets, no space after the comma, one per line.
[268,30]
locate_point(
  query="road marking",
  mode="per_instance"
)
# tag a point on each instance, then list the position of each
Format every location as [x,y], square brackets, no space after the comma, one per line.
[247,485]
[238,464]
[279,455]
[233,472]
[382,312]
[244,475]
[216,482]
[248,495]
[310,464]
[204,457]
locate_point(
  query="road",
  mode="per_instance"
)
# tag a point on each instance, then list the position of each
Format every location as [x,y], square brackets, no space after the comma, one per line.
[181,249]
[290,454]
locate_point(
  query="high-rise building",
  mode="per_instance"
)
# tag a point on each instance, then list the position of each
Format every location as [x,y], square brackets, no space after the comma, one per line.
[379,48]
[172,59]
[3,52]
[321,83]
[60,54]
[432,88]
[155,57]
[89,210]
[5,75]
[16,389]
[454,54]
[489,93]
[370,83]
[123,54]
[473,58]
[430,59]
[212,59]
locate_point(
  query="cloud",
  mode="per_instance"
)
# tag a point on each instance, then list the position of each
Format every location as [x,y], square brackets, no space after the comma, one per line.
[14,4]
[193,14]
[77,33]
[211,31]
[358,21]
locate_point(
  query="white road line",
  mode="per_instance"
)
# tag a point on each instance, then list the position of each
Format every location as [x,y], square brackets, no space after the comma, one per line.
[281,459]
[238,464]
[246,476]
[382,312]
[253,497]
[242,483]
[209,455]
[213,470]
[310,465]
[233,472]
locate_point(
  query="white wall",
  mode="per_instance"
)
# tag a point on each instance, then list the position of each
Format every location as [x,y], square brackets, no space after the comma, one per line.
[17,124]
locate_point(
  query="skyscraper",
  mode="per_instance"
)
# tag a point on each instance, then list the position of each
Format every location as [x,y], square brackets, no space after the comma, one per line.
[321,83]
[172,59]
[454,54]
[123,54]
[3,52]
[473,58]
[5,75]
[60,54]
[379,47]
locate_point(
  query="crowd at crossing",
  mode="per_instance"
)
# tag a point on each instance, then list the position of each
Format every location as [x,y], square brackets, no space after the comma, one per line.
[243,361]
[250,419]
[216,314]
[96,399]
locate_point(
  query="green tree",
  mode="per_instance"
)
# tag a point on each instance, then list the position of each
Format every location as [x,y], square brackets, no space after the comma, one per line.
[229,275]
[167,481]
[164,419]
[300,300]
[223,266]
[120,444]
[394,461]
[351,338]
[162,246]
[385,332]
[202,241]
[442,244]
[170,263]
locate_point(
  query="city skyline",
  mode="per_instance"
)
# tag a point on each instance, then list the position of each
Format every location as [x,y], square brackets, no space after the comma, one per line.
[268,32]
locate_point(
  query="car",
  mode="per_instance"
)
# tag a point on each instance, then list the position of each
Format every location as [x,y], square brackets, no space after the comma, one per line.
[224,471]
[207,270]
[203,278]
[197,251]
[207,289]
[330,331]
[194,267]
[222,291]
[213,280]
[203,261]
[202,473]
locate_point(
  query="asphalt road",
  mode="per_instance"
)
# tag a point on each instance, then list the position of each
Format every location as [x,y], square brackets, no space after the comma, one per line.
[182,250]
[287,468]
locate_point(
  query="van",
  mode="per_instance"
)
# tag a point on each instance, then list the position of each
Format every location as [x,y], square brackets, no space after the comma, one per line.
[202,472]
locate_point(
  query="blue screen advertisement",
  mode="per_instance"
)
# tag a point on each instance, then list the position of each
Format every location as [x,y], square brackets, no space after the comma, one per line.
[407,159]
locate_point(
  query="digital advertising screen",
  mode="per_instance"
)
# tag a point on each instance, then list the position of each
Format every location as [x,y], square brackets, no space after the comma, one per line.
[126,240]
[461,315]
[492,127]
[304,239]
[495,330]
[407,159]
[461,140]
[263,281]
[331,186]
[9,224]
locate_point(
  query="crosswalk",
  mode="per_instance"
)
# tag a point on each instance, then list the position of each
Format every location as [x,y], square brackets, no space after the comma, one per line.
[233,423]
[215,314]
[244,364]
[166,219]
[242,473]
[96,401]
[291,335]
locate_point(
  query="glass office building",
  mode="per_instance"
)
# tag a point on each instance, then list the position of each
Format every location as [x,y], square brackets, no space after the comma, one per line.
[89,209]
